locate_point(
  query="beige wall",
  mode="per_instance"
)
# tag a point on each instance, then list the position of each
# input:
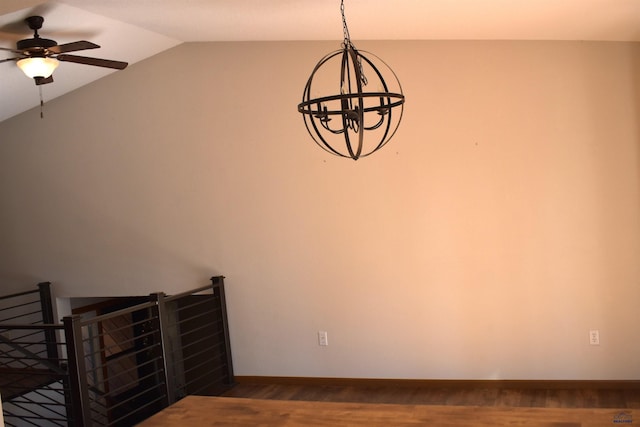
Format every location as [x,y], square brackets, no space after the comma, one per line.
[499,226]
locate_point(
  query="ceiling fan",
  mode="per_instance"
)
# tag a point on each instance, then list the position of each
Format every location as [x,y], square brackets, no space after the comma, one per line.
[38,57]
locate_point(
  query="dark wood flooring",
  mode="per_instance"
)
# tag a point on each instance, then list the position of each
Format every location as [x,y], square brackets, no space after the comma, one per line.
[420,394]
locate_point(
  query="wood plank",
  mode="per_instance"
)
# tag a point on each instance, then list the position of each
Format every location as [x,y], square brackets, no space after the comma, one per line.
[205,411]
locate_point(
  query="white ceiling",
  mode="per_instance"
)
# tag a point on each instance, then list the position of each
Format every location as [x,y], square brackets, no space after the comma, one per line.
[132,30]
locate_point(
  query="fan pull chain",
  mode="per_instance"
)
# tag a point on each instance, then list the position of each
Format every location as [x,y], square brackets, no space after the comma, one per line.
[41,103]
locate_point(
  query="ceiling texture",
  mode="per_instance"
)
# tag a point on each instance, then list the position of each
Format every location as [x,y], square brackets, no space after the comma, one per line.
[132,30]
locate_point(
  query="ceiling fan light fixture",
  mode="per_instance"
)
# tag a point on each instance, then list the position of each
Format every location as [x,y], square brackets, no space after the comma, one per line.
[38,67]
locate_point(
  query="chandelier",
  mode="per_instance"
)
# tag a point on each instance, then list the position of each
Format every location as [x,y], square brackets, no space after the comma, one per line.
[349,108]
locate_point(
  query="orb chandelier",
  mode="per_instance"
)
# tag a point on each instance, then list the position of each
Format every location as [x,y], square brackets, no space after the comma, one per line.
[350,109]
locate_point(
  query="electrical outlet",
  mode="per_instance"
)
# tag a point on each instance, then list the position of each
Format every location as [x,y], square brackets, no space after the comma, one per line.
[323,339]
[594,337]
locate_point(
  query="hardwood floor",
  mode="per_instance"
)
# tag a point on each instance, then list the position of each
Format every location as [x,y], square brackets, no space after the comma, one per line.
[313,402]
[205,411]
[424,394]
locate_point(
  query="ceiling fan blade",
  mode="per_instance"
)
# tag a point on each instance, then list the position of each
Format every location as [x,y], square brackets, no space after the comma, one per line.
[10,50]
[18,28]
[9,59]
[72,47]
[106,63]
[43,80]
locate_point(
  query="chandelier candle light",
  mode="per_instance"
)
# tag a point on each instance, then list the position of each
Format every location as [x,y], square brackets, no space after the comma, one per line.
[366,105]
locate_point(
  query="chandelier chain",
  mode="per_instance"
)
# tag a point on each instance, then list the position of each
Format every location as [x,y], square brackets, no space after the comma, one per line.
[347,43]
[345,29]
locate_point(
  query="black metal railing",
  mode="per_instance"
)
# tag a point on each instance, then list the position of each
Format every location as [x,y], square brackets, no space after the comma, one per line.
[119,368]
[34,380]
[30,307]
[197,350]
[34,386]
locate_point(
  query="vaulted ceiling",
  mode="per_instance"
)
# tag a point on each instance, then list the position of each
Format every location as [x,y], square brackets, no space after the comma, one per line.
[134,30]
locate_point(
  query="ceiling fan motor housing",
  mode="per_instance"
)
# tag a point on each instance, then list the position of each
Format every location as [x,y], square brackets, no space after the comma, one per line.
[35,43]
